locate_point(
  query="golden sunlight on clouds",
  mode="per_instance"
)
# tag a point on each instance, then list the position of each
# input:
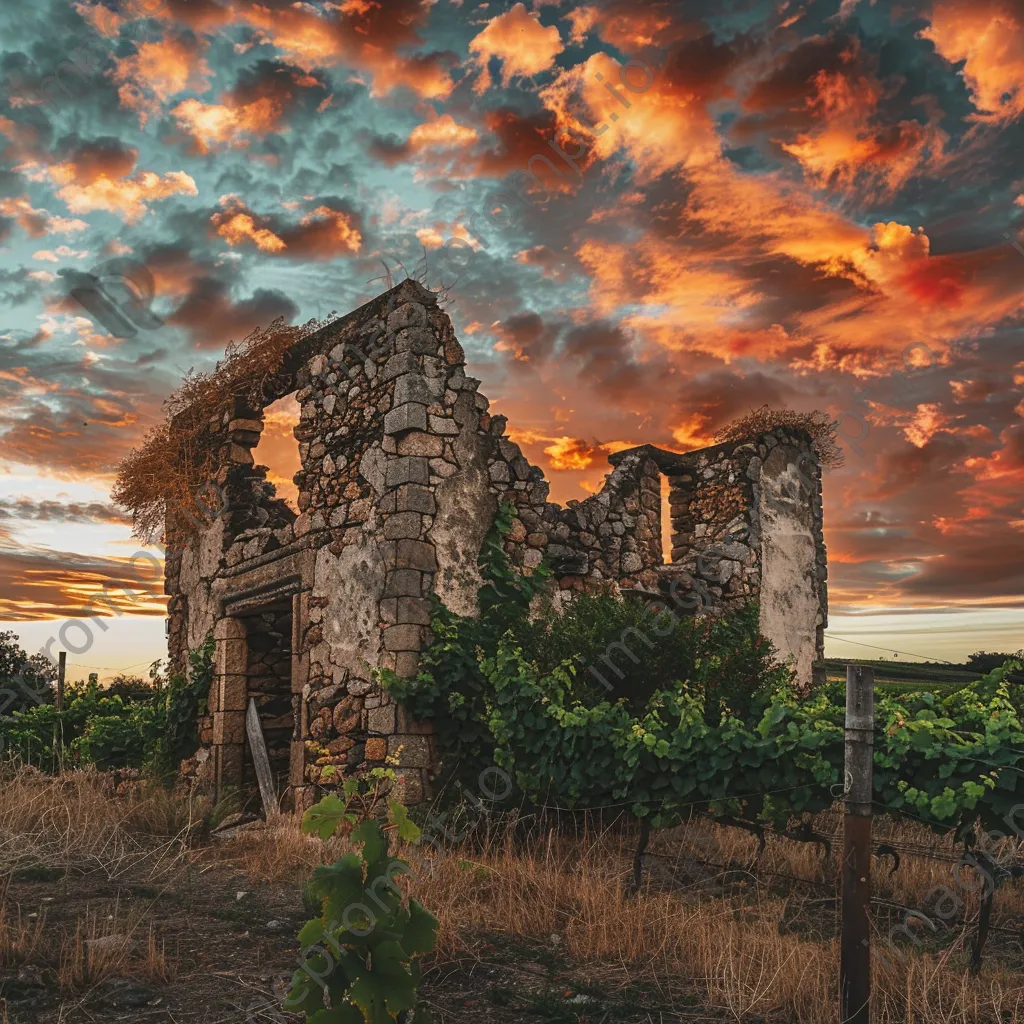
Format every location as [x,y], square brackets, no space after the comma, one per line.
[323,233]
[925,423]
[442,133]
[298,31]
[336,228]
[521,44]
[313,41]
[660,129]
[693,431]
[35,222]
[582,20]
[848,152]
[126,197]
[988,35]
[214,123]
[575,453]
[158,71]
[236,226]
[104,20]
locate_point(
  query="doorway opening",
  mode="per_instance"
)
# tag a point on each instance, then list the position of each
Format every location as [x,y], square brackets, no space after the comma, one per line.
[268,672]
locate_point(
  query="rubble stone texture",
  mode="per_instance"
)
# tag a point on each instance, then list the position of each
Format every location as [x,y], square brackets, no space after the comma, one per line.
[402,470]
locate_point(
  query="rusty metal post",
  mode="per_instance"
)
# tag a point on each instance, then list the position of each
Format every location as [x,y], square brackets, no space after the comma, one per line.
[855,949]
[62,663]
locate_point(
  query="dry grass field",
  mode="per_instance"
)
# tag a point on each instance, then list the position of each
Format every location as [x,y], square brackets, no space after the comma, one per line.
[129,906]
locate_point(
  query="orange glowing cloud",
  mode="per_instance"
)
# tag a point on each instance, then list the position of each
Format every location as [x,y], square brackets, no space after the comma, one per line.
[692,288]
[926,421]
[237,227]
[434,236]
[620,107]
[574,453]
[694,431]
[156,73]
[105,21]
[216,124]
[443,132]
[359,39]
[848,152]
[630,26]
[36,223]
[582,20]
[323,233]
[125,197]
[519,42]
[988,36]
[329,232]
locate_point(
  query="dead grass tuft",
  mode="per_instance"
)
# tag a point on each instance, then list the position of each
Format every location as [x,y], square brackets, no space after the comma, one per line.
[754,938]
[178,458]
[76,821]
[106,946]
[819,425]
[758,937]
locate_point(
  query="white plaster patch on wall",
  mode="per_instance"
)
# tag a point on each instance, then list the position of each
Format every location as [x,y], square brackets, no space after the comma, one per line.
[789,600]
[352,584]
[465,511]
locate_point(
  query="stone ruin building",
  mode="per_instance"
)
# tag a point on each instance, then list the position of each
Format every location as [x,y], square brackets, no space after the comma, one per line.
[402,469]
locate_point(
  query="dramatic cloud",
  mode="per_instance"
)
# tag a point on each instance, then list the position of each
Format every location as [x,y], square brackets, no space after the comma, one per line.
[63,585]
[126,197]
[666,215]
[260,103]
[36,223]
[322,233]
[61,512]
[367,36]
[157,72]
[522,46]
[988,36]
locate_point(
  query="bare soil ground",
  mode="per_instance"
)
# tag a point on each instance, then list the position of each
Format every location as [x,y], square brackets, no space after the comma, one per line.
[124,906]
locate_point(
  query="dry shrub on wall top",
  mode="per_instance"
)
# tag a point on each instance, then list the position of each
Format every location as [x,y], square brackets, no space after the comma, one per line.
[166,475]
[818,424]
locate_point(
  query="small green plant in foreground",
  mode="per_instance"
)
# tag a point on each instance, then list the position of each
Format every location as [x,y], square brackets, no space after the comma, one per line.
[361,954]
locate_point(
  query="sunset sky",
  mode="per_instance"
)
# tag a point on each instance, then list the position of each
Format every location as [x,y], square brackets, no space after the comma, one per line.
[814,206]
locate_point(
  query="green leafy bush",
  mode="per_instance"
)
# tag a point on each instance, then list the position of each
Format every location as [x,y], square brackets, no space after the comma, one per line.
[628,650]
[152,731]
[360,954]
[713,729]
[25,680]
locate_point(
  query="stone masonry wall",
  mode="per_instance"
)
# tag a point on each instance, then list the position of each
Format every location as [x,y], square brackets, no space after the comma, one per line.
[402,469]
[747,525]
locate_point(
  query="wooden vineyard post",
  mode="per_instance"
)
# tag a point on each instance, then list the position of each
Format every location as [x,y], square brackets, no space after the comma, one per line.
[62,664]
[855,948]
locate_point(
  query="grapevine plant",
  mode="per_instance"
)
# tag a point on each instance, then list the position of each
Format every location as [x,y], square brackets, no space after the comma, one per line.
[726,736]
[360,953]
[153,730]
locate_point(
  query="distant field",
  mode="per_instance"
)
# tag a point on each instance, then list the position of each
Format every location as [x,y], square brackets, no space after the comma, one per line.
[905,676]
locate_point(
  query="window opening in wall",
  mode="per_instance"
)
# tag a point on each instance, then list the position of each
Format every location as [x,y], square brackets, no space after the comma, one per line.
[278,450]
[666,521]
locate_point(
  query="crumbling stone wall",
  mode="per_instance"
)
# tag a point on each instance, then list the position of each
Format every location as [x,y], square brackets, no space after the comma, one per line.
[747,526]
[402,469]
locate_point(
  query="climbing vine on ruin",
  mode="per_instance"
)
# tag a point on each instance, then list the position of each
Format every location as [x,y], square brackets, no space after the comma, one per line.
[174,466]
